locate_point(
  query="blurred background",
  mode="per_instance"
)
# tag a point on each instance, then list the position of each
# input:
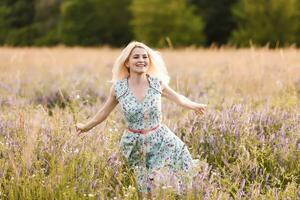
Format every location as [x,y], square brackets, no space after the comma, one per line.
[240,57]
[159,23]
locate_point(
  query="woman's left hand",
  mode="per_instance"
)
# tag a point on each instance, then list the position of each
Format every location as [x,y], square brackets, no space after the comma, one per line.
[200,109]
[80,128]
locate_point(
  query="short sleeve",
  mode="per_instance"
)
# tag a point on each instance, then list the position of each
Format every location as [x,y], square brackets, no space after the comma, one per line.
[120,88]
[155,83]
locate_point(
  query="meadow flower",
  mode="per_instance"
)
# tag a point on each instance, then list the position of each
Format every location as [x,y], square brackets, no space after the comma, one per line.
[236,133]
[76,151]
[298,145]
[242,185]
[112,159]
[261,132]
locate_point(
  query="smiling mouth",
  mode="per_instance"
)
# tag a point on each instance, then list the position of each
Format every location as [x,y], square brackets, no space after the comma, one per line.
[141,65]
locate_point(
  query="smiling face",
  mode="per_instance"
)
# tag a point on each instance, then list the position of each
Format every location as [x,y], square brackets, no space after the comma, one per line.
[138,61]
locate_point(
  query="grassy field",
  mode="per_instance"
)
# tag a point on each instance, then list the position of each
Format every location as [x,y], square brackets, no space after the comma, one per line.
[248,141]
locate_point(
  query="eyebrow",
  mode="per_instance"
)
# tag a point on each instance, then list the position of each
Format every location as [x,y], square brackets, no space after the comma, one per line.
[136,54]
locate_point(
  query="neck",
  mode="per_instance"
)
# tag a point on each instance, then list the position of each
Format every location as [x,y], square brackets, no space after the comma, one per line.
[137,78]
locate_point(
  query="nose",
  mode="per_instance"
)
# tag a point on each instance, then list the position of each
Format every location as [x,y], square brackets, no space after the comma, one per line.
[141,59]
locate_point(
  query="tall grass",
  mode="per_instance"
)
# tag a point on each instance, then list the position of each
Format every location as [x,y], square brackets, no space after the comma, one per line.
[248,141]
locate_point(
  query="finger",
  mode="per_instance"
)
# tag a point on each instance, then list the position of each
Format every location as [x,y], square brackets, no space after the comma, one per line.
[199,112]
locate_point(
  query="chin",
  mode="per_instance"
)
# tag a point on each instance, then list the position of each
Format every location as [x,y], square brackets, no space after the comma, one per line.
[141,71]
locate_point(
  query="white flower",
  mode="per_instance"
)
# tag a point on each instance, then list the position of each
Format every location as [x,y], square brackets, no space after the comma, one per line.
[76,150]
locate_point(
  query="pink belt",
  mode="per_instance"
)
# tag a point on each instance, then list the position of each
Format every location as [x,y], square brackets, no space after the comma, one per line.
[144,130]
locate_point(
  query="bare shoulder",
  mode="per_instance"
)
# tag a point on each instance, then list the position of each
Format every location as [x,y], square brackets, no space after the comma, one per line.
[166,90]
[163,85]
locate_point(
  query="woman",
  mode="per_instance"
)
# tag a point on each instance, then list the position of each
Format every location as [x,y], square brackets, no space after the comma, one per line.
[140,79]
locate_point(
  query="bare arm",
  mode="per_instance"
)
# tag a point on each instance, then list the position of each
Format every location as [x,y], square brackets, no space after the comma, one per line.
[181,100]
[101,115]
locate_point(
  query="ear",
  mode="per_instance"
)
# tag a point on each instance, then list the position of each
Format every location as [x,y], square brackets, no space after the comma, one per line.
[126,64]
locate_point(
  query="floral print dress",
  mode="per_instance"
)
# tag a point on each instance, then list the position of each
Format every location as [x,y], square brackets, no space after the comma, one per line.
[157,150]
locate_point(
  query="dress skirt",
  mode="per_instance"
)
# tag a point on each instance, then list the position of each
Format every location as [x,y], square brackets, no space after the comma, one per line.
[158,157]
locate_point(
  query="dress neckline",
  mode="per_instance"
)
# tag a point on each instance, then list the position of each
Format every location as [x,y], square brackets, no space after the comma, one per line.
[147,91]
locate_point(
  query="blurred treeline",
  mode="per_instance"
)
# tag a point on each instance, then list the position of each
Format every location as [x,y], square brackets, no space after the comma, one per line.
[159,23]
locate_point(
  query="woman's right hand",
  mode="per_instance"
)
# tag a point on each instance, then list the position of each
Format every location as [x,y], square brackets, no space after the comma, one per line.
[80,128]
[200,109]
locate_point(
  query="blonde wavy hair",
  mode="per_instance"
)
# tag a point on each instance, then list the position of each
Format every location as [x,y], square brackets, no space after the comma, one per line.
[157,66]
